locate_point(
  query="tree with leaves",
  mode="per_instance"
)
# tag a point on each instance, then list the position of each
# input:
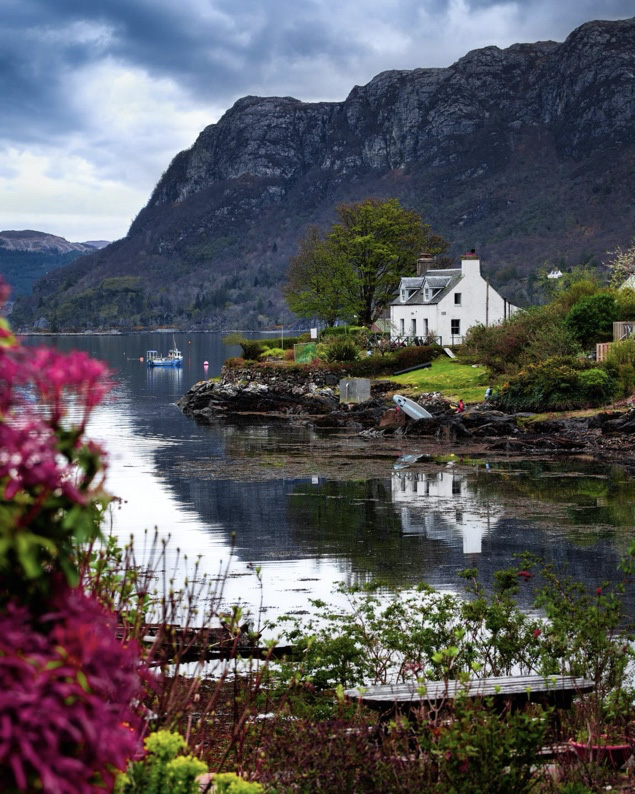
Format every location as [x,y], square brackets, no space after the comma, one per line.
[315,283]
[354,269]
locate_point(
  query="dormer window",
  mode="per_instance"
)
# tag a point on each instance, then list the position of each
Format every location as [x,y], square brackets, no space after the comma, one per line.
[426,294]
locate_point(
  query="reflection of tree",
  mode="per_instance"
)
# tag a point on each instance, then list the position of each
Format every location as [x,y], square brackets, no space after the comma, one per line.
[357,520]
[590,495]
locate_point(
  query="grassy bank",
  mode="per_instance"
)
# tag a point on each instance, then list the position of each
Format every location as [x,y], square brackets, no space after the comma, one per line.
[453,380]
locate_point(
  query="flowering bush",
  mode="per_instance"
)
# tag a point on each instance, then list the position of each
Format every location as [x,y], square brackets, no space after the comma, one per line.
[66,686]
[51,477]
[66,683]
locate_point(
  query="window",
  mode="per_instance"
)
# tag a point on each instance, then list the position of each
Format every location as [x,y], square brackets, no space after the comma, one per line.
[455,327]
[457,298]
[402,327]
[413,326]
[403,296]
[425,326]
[426,294]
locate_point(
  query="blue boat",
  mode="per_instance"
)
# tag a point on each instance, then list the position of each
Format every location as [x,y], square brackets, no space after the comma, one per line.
[174,357]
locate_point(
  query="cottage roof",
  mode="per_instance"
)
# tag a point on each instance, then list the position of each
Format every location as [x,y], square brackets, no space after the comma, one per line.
[441,280]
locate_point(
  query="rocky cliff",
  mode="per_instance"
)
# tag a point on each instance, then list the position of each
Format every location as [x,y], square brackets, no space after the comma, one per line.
[526,153]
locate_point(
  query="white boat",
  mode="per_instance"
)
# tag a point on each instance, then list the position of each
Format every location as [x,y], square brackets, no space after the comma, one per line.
[411,408]
[174,357]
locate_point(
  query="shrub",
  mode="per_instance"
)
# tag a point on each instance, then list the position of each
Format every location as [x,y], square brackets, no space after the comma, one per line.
[557,384]
[592,319]
[625,304]
[622,352]
[342,349]
[273,352]
[164,770]
[412,355]
[66,686]
[234,363]
[251,348]
[528,337]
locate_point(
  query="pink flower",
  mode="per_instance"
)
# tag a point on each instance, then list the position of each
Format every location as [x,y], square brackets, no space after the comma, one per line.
[526,575]
[537,633]
[598,591]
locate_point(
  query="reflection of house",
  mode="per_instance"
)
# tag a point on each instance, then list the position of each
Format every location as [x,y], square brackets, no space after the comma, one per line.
[440,504]
[446,303]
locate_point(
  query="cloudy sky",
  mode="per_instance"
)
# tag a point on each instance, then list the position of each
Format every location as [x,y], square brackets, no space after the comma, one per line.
[97,96]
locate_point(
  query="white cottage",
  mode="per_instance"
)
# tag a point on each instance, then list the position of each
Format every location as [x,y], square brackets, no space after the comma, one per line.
[446,303]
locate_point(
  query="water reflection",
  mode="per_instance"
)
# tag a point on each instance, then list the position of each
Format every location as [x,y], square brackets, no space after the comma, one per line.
[440,504]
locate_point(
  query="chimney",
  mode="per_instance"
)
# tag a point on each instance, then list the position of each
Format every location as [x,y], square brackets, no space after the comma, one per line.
[424,262]
[471,263]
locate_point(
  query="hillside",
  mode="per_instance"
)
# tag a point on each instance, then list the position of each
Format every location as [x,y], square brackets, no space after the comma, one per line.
[26,256]
[526,154]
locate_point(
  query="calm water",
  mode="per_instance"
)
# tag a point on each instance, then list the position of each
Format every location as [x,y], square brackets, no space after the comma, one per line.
[426,522]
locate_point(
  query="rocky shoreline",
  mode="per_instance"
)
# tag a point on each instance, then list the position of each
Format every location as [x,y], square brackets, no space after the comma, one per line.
[258,396]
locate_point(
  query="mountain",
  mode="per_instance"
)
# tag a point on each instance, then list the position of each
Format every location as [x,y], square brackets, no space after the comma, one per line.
[96,243]
[525,153]
[26,256]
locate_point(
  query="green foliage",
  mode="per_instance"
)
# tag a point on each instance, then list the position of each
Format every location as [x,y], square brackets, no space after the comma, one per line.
[340,330]
[317,281]
[272,352]
[164,770]
[467,745]
[591,319]
[479,752]
[528,337]
[230,783]
[558,384]
[252,348]
[625,304]
[620,363]
[121,284]
[342,349]
[354,270]
[412,355]
[622,352]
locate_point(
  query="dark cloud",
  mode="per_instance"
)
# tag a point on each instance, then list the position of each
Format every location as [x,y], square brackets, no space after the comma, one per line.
[218,54]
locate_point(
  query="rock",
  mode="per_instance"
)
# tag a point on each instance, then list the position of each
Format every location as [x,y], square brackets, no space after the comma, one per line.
[392,419]
[601,418]
[619,424]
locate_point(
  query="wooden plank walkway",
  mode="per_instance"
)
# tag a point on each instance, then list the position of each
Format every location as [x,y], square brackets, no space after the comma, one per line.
[513,691]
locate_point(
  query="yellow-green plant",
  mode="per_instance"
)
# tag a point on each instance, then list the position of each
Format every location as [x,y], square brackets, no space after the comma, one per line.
[164,770]
[230,783]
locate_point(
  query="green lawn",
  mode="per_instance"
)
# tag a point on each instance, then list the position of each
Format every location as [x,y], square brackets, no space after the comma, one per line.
[447,376]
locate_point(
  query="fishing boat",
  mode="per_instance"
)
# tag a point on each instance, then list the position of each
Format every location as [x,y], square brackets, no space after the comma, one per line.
[174,357]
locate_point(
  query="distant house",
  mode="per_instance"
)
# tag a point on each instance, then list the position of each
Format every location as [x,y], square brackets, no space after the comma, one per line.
[555,273]
[446,303]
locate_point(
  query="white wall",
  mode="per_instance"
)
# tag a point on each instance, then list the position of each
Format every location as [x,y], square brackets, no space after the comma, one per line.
[479,304]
